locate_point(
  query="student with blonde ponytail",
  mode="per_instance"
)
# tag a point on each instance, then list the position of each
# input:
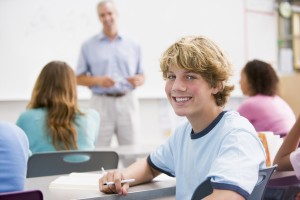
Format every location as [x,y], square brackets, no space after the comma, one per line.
[53,121]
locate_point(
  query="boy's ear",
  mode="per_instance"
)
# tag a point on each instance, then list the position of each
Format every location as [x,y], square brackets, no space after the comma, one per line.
[218,88]
[215,90]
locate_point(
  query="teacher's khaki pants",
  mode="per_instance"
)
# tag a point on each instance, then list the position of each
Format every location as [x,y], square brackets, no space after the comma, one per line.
[119,116]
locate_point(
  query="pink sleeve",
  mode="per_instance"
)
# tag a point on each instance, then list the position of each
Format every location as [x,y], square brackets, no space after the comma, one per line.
[295,160]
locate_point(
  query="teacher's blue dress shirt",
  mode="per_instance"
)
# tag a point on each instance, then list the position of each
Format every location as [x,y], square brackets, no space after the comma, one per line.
[119,59]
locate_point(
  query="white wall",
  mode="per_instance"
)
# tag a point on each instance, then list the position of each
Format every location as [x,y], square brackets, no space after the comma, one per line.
[34,32]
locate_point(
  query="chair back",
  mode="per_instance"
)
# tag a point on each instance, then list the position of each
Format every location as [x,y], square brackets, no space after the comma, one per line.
[22,195]
[64,162]
[263,179]
[205,188]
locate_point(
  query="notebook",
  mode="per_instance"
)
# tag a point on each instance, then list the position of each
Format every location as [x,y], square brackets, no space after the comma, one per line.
[87,181]
[84,181]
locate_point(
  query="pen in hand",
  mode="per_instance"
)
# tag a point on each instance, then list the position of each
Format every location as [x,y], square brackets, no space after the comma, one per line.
[103,170]
[112,183]
[122,181]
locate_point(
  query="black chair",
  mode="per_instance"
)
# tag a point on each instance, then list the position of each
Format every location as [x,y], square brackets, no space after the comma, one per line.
[64,162]
[205,188]
[22,195]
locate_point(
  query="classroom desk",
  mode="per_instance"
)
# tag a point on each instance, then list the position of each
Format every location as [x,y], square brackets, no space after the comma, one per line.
[283,179]
[283,185]
[156,190]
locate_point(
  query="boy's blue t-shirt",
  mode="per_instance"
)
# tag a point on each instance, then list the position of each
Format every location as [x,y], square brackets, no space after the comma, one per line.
[228,152]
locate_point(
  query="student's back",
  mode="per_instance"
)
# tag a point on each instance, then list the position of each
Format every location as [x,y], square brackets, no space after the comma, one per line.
[264,108]
[14,152]
[268,113]
[53,120]
[34,123]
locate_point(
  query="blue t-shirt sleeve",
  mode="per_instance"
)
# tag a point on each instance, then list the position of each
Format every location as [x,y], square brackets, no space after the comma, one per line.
[162,158]
[237,152]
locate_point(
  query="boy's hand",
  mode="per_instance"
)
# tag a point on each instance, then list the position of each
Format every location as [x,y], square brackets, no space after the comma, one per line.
[116,177]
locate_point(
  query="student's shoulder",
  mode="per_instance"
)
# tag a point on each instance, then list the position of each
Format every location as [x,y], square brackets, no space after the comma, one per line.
[233,120]
[31,115]
[33,112]
[253,104]
[89,118]
[91,113]
[9,129]
[231,115]
[258,99]
[238,127]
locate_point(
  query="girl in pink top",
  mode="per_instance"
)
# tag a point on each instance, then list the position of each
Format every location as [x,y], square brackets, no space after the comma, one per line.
[264,108]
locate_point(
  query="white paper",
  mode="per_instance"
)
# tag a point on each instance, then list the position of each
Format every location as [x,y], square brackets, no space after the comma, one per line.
[85,181]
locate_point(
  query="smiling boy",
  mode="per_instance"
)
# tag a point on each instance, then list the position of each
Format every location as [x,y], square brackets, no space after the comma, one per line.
[213,144]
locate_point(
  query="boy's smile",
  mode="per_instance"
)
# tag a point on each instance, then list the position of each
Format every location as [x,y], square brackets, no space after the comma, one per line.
[181,99]
[188,93]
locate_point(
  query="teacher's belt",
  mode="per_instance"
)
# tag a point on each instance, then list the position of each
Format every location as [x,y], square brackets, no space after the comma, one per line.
[112,94]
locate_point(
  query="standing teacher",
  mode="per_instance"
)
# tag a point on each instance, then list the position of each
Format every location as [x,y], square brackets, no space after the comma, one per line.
[110,65]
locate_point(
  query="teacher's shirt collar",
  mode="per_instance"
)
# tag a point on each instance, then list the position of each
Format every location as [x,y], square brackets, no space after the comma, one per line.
[102,36]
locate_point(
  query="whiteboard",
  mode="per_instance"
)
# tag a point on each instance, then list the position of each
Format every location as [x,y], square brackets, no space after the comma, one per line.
[34,32]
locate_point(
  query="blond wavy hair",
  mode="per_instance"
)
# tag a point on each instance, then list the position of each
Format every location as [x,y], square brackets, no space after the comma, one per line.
[55,90]
[201,55]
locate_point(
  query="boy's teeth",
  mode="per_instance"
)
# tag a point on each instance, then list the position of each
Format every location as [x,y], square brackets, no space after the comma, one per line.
[182,99]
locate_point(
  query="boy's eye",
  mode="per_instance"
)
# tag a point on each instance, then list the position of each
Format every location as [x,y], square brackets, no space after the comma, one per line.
[170,76]
[190,77]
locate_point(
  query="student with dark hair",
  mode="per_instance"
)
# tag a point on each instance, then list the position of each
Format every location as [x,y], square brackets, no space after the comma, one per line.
[264,108]
[14,152]
[53,120]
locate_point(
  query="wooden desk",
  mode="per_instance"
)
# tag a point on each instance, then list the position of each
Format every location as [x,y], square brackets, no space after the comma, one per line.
[159,190]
